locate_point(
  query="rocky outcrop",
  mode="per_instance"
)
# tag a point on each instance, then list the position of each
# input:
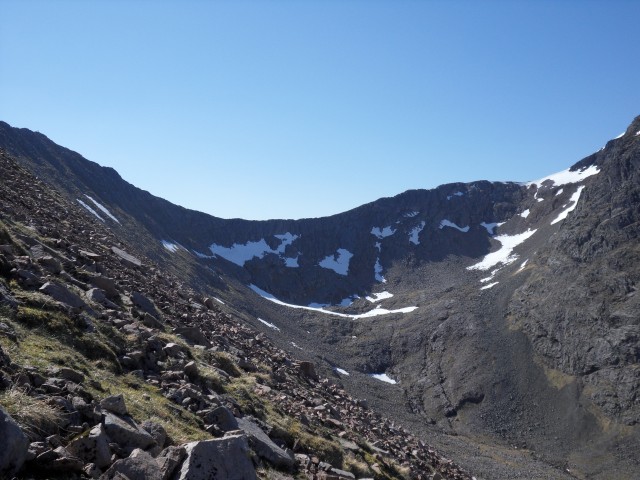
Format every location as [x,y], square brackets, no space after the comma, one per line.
[227,458]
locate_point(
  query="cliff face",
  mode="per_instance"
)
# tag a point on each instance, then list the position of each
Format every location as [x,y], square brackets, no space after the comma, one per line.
[505,311]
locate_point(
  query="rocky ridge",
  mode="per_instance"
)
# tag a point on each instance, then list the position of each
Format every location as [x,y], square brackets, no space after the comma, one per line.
[111,368]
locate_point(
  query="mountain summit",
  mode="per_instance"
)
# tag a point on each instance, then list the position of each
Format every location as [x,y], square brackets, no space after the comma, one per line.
[499,317]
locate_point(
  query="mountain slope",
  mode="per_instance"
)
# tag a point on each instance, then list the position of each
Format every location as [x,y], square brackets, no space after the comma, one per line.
[515,317]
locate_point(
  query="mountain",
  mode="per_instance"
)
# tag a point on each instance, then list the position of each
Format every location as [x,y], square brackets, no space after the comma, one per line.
[505,312]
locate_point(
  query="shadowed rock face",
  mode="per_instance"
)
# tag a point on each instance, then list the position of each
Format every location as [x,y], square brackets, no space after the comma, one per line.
[546,357]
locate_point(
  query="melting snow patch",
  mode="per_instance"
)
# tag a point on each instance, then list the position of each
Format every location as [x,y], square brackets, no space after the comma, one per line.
[376,297]
[377,270]
[372,313]
[567,176]
[415,232]
[240,254]
[486,287]
[291,262]
[619,136]
[413,214]
[172,247]
[382,232]
[522,266]
[456,194]
[218,300]
[338,262]
[296,346]
[525,214]
[90,210]
[103,209]
[270,325]
[637,133]
[509,242]
[383,377]
[574,198]
[448,223]
[490,226]
[559,191]
[341,371]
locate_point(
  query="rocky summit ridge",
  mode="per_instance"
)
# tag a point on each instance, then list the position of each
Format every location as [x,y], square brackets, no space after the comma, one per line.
[494,321]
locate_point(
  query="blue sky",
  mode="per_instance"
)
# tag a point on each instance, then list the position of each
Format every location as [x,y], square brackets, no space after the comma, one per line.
[291,109]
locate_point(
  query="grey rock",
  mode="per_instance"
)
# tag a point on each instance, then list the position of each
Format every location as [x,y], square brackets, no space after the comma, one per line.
[66,374]
[126,433]
[193,335]
[144,304]
[15,445]
[264,446]
[221,417]
[92,448]
[114,404]
[157,431]
[62,294]
[191,370]
[138,466]
[126,258]
[108,285]
[151,321]
[223,459]
[170,459]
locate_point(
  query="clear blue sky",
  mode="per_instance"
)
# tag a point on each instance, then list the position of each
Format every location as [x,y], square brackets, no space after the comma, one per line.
[290,109]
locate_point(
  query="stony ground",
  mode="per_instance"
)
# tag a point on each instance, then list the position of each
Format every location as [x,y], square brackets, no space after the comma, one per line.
[112,368]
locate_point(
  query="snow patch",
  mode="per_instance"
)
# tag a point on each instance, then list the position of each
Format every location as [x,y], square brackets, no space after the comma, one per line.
[338,262]
[341,371]
[377,271]
[486,287]
[559,192]
[525,214]
[415,232]
[172,247]
[383,377]
[504,255]
[291,262]
[524,264]
[268,324]
[241,253]
[103,209]
[637,133]
[410,214]
[619,136]
[218,300]
[371,313]
[376,297]
[566,176]
[456,194]
[90,210]
[574,198]
[491,226]
[295,345]
[382,232]
[448,223]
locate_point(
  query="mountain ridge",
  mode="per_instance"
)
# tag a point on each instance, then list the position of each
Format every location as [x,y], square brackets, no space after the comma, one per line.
[467,357]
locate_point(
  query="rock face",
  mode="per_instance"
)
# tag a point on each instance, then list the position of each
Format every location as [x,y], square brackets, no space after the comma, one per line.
[225,459]
[15,445]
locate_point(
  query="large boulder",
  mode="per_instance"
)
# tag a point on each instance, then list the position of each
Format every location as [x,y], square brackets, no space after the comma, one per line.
[14,446]
[138,466]
[126,433]
[223,459]
[264,446]
[62,294]
[92,448]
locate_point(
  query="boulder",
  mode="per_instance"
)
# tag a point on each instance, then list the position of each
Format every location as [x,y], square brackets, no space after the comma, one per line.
[15,445]
[62,294]
[157,431]
[223,459]
[138,466]
[126,433]
[264,446]
[193,335]
[108,285]
[92,447]
[170,459]
[221,417]
[114,404]
[126,258]
[144,304]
